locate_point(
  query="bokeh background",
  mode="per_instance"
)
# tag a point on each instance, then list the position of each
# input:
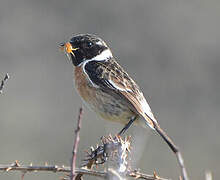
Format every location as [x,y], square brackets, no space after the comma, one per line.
[171,48]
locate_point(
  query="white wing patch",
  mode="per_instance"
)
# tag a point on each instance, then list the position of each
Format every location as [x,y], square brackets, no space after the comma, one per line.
[117,87]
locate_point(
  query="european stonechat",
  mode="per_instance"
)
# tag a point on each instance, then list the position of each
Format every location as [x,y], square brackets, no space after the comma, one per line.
[106,87]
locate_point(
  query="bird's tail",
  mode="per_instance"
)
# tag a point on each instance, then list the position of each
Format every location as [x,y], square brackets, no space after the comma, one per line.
[155,126]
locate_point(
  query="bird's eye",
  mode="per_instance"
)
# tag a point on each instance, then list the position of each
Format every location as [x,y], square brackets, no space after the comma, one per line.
[89,44]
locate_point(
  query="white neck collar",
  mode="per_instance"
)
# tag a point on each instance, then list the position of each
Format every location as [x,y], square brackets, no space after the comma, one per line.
[106,54]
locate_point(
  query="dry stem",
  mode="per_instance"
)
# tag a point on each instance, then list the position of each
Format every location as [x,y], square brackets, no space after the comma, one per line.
[175,150]
[75,146]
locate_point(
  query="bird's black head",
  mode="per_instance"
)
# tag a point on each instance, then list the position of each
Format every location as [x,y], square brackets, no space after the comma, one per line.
[84,47]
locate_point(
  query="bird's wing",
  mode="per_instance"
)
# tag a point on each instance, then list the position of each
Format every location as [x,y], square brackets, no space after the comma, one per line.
[110,77]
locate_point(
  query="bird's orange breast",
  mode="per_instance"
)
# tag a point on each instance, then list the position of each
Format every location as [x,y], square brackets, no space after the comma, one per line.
[106,105]
[86,91]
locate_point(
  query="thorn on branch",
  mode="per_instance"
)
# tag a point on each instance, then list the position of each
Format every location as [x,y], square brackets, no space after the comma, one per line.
[14,164]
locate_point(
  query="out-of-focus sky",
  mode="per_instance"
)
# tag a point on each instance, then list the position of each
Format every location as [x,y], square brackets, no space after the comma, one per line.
[171,48]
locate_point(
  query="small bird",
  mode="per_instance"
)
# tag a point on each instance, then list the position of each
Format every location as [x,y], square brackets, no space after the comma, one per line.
[106,87]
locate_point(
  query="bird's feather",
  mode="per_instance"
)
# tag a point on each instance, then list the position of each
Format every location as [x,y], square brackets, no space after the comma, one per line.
[110,77]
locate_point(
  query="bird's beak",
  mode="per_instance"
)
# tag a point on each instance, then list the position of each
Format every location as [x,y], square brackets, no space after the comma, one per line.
[68,48]
[61,46]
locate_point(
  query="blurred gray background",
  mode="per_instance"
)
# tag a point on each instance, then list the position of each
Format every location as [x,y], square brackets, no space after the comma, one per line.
[171,48]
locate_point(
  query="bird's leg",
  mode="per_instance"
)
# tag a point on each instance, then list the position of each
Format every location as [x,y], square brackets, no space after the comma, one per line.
[127,125]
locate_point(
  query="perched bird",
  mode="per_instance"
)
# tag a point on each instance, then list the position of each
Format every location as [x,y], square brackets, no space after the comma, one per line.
[106,87]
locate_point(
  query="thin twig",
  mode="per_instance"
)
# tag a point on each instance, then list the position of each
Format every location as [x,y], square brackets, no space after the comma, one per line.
[174,148]
[102,174]
[138,175]
[182,166]
[3,82]
[75,146]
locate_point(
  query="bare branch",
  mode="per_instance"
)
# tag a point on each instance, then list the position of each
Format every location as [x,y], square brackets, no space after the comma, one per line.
[75,145]
[182,166]
[47,168]
[174,148]
[137,175]
[117,149]
[3,82]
